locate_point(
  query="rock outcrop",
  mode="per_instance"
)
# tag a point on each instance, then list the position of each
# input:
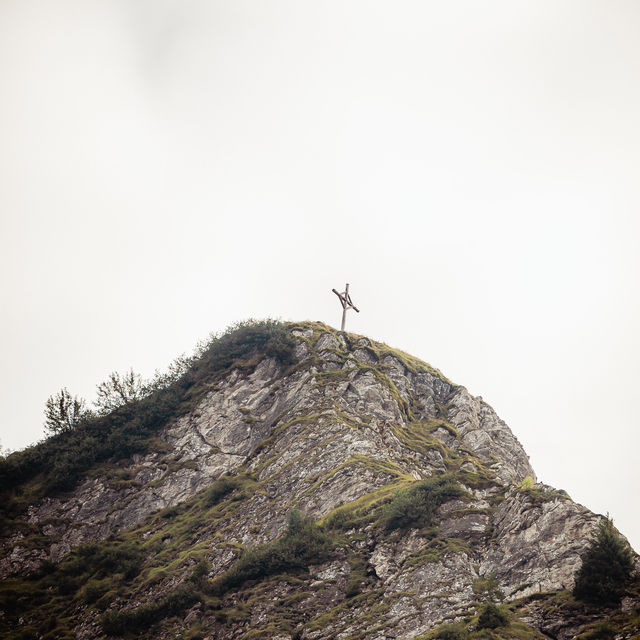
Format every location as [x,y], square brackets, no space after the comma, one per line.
[338,433]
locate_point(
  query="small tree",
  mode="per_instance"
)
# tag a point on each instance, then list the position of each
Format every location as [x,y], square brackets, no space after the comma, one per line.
[118,390]
[488,589]
[64,412]
[175,371]
[492,617]
[606,568]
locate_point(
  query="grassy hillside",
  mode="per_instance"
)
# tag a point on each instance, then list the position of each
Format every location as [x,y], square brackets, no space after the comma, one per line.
[57,463]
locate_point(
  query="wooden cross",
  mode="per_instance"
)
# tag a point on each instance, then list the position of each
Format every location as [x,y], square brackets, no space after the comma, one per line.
[345,301]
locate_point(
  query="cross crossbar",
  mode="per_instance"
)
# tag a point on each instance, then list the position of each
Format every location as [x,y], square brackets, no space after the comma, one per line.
[346,302]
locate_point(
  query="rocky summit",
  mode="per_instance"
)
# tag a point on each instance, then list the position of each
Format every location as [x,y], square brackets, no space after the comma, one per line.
[295,482]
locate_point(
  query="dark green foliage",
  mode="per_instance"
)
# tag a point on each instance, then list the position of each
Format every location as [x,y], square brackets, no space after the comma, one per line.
[61,459]
[89,575]
[488,589]
[357,576]
[50,624]
[94,575]
[219,489]
[117,623]
[492,617]
[104,560]
[243,339]
[451,632]
[342,519]
[91,569]
[416,506]
[353,587]
[302,544]
[64,412]
[602,631]
[93,590]
[128,621]
[606,568]
[118,390]
[68,585]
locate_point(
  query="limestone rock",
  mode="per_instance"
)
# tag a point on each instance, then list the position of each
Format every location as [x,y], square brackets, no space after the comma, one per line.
[349,421]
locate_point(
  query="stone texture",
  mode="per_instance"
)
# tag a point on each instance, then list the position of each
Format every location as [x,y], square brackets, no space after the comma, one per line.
[537,547]
[321,436]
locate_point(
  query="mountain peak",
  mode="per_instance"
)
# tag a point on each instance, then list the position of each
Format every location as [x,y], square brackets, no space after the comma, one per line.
[411,495]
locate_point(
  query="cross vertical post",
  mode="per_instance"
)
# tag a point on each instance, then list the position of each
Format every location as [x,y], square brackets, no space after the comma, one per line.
[345,301]
[344,307]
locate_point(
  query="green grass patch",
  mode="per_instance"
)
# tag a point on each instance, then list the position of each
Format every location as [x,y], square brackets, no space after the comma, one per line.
[303,543]
[539,494]
[436,548]
[365,509]
[416,505]
[129,621]
[57,463]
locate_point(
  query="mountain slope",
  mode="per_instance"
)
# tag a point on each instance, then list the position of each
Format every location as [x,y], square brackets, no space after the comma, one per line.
[419,504]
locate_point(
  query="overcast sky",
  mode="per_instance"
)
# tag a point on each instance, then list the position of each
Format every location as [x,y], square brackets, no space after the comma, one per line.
[471,168]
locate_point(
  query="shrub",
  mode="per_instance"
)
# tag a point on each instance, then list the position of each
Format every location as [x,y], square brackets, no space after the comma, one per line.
[527,483]
[79,444]
[342,518]
[488,589]
[118,390]
[416,506]
[94,590]
[492,617]
[219,489]
[303,543]
[243,339]
[115,622]
[103,560]
[607,566]
[67,585]
[602,631]
[357,575]
[64,412]
[451,632]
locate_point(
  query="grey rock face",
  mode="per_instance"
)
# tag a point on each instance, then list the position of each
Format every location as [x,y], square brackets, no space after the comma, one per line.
[537,547]
[352,417]
[488,437]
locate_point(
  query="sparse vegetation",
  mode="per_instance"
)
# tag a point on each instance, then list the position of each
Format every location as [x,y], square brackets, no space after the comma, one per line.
[118,390]
[87,440]
[488,589]
[103,560]
[602,631]
[526,484]
[540,493]
[416,505]
[365,509]
[451,632]
[90,575]
[303,543]
[357,575]
[142,581]
[116,623]
[100,574]
[64,412]
[219,489]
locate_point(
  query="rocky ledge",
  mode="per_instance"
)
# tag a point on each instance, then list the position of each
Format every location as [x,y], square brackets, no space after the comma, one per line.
[336,434]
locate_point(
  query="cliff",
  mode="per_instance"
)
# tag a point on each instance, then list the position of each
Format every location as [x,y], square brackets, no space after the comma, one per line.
[340,489]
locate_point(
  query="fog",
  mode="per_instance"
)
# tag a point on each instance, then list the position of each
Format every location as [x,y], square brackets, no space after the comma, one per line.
[471,169]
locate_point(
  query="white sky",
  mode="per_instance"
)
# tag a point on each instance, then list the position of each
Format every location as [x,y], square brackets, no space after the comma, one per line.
[169,167]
